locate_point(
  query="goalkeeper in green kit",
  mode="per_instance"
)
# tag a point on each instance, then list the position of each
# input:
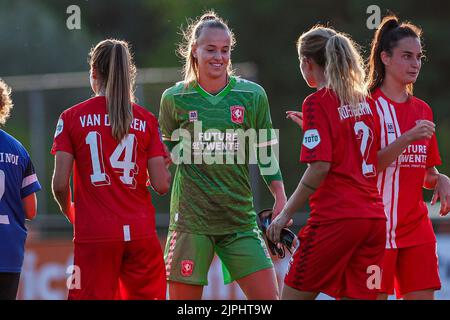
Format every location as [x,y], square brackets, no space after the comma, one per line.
[212,122]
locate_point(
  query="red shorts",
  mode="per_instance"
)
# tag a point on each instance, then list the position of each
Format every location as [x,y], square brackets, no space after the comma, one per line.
[410,269]
[338,258]
[119,270]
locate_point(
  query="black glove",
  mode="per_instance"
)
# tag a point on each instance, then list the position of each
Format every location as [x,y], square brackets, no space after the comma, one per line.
[287,237]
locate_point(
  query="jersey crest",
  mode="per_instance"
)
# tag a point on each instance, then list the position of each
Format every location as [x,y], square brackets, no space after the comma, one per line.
[187,267]
[237,114]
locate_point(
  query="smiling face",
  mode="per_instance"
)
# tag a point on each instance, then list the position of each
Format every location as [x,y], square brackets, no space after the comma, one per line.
[212,52]
[404,64]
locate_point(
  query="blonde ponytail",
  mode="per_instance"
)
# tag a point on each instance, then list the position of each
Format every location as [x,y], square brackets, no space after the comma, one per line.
[117,73]
[342,63]
[344,70]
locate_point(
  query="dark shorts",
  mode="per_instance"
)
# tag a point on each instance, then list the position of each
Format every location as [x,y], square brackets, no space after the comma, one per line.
[341,259]
[9,284]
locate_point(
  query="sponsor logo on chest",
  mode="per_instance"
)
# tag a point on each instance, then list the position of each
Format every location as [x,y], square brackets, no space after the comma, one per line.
[193,115]
[390,128]
[414,156]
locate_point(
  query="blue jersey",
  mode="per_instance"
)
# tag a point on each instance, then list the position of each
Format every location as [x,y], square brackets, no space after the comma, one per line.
[17,181]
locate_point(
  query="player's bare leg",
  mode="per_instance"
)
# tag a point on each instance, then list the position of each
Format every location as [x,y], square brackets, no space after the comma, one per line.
[289,293]
[183,291]
[420,295]
[382,296]
[260,285]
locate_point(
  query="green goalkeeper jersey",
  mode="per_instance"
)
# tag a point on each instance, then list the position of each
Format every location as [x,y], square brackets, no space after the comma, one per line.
[213,138]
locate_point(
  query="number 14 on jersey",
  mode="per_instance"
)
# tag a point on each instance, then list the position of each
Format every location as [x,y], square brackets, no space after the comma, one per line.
[127,167]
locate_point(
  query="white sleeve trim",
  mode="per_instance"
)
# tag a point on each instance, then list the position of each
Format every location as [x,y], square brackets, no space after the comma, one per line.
[29,180]
[4,219]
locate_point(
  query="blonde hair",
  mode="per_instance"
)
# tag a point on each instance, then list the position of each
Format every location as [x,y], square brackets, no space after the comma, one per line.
[341,60]
[6,103]
[116,73]
[190,36]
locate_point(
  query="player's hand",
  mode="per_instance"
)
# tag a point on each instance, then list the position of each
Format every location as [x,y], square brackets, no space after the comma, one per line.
[442,191]
[424,129]
[280,202]
[167,158]
[275,227]
[295,116]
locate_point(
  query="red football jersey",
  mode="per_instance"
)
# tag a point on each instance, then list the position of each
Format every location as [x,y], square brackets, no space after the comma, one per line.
[112,202]
[401,183]
[333,134]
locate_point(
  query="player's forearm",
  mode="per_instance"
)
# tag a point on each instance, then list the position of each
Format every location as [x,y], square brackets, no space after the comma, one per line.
[269,166]
[160,177]
[431,178]
[310,182]
[30,206]
[390,153]
[63,197]
[297,200]
[61,183]
[277,190]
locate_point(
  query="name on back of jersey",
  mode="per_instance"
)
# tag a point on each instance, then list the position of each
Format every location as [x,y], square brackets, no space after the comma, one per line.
[92,120]
[346,112]
[9,158]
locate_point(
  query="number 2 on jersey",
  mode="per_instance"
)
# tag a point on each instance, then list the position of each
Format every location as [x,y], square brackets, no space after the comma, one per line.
[3,218]
[126,167]
[364,134]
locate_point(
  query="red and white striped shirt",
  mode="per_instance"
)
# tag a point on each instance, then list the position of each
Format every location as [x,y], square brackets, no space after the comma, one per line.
[401,183]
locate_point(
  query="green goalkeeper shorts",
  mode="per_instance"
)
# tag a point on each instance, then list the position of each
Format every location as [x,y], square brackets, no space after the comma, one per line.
[188,256]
